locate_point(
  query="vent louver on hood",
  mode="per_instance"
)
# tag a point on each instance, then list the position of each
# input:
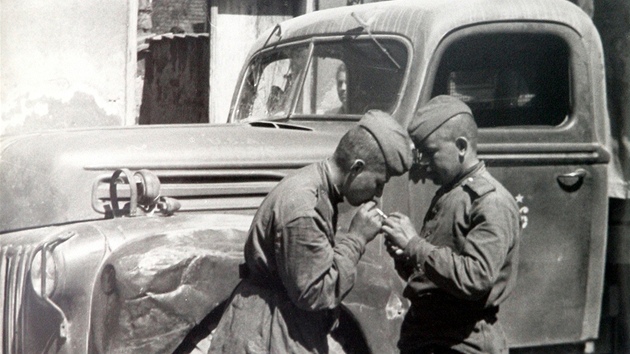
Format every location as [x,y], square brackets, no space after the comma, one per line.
[203,190]
[279,125]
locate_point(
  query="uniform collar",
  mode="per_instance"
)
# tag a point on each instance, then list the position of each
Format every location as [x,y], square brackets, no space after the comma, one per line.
[332,190]
[477,168]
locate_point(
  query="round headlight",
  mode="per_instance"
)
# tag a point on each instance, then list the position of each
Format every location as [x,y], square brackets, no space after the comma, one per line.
[44,274]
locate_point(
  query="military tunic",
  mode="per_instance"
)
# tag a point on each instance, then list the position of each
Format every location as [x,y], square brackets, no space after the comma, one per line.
[462,267]
[297,271]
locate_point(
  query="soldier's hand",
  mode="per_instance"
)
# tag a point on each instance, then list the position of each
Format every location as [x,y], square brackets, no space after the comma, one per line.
[393,251]
[366,222]
[398,231]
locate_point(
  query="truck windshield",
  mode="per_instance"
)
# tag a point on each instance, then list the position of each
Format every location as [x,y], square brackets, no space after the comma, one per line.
[337,79]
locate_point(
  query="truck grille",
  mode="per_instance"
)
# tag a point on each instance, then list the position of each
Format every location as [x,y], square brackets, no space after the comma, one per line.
[238,190]
[13,272]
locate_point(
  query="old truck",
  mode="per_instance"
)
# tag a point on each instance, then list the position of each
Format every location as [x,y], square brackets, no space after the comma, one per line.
[128,239]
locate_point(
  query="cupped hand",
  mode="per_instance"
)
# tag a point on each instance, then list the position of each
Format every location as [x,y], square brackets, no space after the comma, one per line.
[393,251]
[398,230]
[366,222]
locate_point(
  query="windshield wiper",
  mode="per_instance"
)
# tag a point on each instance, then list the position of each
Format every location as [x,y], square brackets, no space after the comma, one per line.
[279,34]
[366,26]
[275,29]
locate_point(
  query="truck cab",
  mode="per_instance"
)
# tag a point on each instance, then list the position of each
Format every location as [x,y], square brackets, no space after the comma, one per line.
[533,77]
[128,239]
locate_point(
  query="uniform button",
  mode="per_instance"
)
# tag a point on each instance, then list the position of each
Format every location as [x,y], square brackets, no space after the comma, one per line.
[470,179]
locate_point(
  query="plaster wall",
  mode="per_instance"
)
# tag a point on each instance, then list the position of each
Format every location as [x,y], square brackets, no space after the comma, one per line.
[66,63]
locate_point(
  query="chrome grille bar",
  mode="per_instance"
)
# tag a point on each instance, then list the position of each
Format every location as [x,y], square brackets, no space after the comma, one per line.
[13,272]
[24,264]
[9,304]
[3,297]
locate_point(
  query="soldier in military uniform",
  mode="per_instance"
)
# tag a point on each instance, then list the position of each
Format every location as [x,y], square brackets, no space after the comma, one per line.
[297,267]
[463,263]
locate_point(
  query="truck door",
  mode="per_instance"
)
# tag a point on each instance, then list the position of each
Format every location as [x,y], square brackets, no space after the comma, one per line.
[530,88]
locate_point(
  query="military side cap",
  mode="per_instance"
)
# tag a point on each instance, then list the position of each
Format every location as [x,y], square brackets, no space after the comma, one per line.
[391,138]
[433,114]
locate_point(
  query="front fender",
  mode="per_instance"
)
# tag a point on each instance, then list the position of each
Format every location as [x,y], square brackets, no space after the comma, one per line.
[376,302]
[152,291]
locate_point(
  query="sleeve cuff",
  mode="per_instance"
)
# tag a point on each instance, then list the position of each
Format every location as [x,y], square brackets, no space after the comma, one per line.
[354,241]
[417,251]
[359,240]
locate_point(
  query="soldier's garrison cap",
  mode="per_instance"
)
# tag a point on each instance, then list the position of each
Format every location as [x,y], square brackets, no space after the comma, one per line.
[432,115]
[391,138]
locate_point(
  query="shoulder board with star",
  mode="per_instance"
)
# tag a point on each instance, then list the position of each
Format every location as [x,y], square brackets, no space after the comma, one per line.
[478,185]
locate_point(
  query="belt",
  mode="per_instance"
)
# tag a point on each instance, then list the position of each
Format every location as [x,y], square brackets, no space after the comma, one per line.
[442,308]
[331,319]
[489,314]
[259,280]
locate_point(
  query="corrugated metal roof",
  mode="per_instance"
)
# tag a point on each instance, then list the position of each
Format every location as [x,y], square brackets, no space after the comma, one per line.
[163,36]
[143,42]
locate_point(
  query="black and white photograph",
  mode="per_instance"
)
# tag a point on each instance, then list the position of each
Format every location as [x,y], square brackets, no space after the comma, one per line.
[315,176]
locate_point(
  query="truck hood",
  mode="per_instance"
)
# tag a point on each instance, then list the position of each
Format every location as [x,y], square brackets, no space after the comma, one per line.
[47,178]
[155,276]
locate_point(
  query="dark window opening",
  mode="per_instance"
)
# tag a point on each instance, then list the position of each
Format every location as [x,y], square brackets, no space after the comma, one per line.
[508,79]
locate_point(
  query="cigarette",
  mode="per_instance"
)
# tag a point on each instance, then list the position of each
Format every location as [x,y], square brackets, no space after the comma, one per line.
[380,212]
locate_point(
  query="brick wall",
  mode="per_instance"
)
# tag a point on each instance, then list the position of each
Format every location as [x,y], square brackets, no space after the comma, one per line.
[189,15]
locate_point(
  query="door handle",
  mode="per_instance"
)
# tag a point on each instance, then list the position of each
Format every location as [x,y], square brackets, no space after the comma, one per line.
[572,181]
